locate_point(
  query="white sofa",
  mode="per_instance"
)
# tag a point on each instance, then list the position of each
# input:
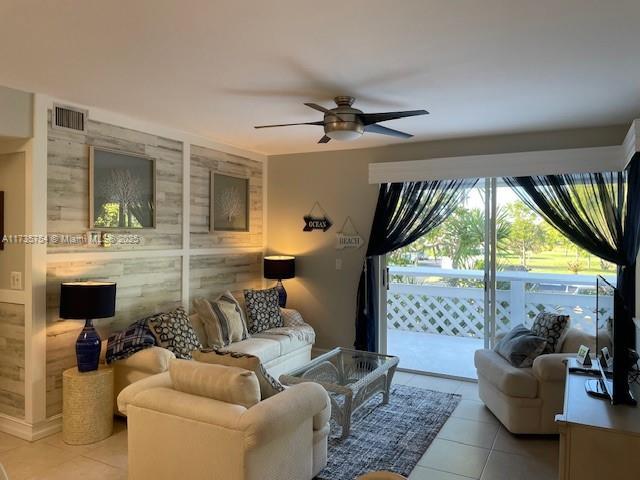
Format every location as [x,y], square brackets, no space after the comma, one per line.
[278,354]
[201,432]
[526,400]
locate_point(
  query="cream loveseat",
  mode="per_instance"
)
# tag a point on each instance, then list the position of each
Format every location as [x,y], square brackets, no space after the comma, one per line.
[526,400]
[200,421]
[279,353]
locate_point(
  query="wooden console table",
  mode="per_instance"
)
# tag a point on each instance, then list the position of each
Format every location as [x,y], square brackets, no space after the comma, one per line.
[597,440]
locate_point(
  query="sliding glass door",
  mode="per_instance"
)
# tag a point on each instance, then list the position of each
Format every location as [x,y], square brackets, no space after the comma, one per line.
[493,264]
[490,246]
[438,311]
[539,270]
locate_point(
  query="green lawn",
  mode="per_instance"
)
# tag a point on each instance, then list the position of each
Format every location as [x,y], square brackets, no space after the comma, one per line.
[555,261]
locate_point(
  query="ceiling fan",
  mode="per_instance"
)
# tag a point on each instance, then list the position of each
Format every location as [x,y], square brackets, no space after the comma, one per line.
[347,123]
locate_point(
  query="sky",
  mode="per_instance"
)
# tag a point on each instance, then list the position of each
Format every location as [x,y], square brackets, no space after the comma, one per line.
[475,199]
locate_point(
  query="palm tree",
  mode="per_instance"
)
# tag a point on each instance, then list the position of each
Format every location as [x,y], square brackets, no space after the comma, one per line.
[461,236]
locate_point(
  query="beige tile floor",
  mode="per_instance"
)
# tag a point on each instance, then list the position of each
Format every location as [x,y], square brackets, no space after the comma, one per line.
[52,459]
[472,444]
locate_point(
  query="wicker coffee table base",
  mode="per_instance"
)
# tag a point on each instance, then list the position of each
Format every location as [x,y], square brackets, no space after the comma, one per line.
[353,400]
[349,384]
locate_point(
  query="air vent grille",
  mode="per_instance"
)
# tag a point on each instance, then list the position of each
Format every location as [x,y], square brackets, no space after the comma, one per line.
[69,118]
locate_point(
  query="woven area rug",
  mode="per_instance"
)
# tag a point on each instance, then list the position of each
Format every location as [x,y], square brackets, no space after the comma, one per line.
[389,437]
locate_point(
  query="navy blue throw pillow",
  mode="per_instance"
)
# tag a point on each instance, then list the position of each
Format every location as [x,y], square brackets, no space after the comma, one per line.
[132,339]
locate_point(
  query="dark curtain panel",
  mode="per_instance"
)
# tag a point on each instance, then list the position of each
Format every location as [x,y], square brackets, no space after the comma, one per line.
[631,239]
[404,213]
[600,212]
[587,208]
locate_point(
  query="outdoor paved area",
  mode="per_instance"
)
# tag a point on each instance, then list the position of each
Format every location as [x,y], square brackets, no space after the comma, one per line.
[439,354]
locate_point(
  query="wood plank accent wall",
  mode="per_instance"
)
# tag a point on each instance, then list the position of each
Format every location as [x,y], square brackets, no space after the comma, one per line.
[213,274]
[145,286]
[204,161]
[12,359]
[68,182]
[151,283]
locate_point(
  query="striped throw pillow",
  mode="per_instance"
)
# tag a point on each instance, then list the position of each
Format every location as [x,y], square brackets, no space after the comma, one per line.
[223,320]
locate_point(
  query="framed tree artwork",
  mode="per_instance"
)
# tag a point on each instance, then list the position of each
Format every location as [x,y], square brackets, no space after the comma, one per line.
[229,203]
[122,190]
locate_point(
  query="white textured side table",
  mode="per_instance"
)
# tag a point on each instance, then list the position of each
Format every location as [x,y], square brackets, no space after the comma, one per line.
[87,405]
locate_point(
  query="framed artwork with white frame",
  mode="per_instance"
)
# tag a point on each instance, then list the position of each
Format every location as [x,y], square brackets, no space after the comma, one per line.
[122,190]
[229,203]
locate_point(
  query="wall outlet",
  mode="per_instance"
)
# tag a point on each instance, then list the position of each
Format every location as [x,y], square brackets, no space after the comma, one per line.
[16,280]
[338,264]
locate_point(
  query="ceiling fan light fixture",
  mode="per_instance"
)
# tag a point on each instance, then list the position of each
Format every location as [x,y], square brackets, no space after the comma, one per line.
[344,135]
[345,123]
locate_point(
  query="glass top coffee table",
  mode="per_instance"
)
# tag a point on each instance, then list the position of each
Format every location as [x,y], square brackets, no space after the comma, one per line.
[350,376]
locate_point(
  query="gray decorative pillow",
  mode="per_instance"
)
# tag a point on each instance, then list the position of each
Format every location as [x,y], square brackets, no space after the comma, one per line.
[520,347]
[173,331]
[553,328]
[263,310]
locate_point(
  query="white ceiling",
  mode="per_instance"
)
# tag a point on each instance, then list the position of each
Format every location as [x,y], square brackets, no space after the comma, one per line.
[217,68]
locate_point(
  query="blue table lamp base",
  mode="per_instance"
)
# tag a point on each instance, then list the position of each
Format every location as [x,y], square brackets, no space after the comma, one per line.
[282,294]
[88,348]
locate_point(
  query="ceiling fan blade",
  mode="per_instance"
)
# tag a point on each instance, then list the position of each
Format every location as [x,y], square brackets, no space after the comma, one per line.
[324,139]
[320,108]
[289,124]
[375,128]
[370,118]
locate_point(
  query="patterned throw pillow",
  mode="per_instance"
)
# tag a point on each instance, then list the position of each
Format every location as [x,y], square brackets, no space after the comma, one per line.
[263,310]
[291,318]
[132,339]
[553,328]
[223,320]
[520,347]
[269,386]
[173,331]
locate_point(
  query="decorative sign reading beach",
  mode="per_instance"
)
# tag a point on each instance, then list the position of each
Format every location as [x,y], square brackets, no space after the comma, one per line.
[348,236]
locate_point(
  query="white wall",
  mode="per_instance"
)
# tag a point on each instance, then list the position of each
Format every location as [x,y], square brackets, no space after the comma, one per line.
[12,182]
[16,113]
[339,181]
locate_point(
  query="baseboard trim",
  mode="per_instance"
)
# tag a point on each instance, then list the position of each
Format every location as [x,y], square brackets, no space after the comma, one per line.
[316,352]
[21,429]
[439,375]
[47,428]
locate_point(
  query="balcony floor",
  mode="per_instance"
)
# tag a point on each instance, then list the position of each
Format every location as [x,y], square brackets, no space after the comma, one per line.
[439,354]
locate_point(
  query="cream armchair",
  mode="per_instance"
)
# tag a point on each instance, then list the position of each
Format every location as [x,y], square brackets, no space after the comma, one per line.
[175,433]
[526,400]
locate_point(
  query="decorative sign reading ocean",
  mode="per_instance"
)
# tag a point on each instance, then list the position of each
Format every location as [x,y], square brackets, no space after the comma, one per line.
[314,221]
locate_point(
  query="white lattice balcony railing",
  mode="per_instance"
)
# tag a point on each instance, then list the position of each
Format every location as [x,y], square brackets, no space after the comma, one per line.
[420,299]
